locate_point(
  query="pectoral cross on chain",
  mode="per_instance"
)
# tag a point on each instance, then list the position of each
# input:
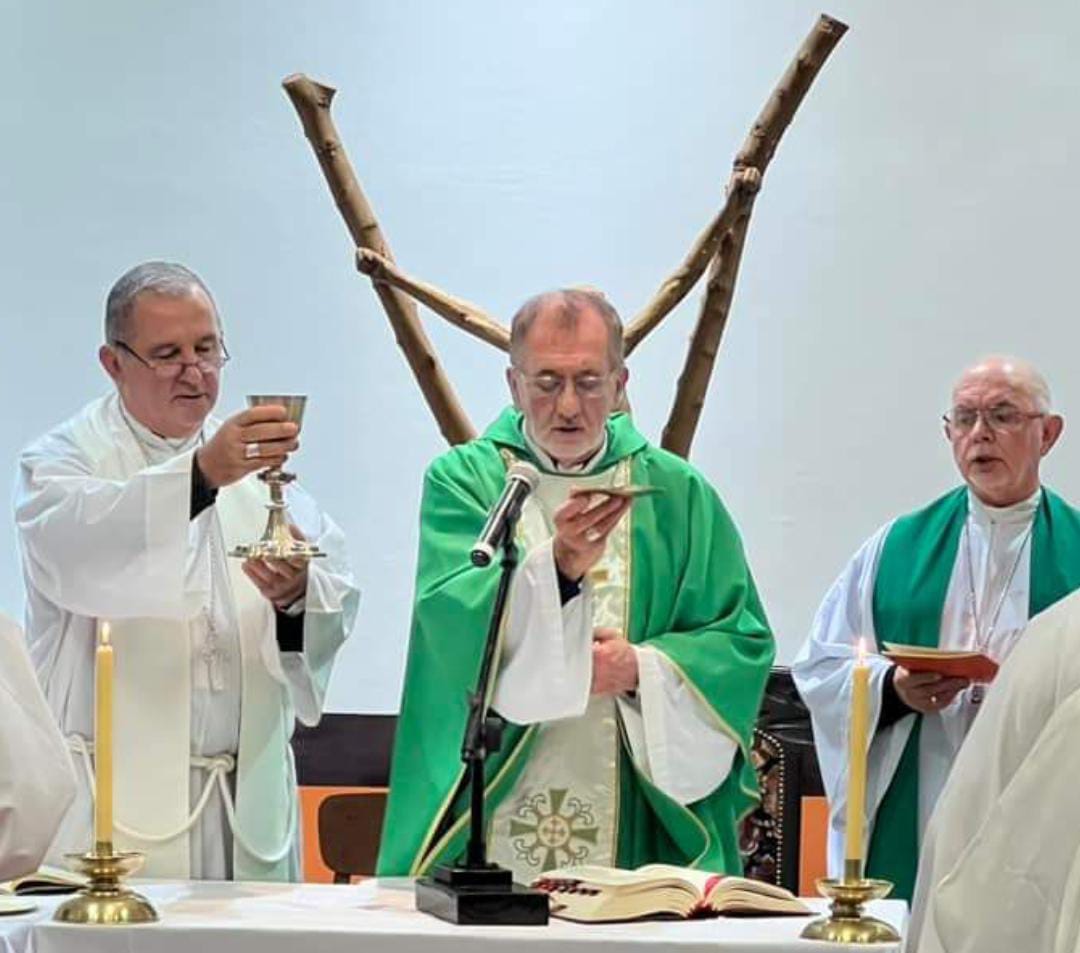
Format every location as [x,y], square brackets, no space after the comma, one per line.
[213,657]
[975,691]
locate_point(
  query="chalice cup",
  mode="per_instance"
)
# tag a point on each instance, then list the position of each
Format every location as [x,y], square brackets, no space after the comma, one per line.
[277,540]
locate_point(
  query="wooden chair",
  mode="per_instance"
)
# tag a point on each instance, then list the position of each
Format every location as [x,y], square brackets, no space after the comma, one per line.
[353,752]
[350,826]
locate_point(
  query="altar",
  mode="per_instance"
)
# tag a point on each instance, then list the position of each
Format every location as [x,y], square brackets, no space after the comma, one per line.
[380,915]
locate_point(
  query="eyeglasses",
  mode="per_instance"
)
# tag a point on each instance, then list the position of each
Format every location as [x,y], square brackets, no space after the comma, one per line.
[999,418]
[586,386]
[211,358]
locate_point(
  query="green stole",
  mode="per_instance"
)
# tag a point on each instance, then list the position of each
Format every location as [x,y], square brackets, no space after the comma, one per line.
[692,597]
[912,579]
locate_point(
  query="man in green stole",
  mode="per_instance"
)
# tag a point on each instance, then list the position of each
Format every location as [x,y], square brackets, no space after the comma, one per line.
[965,573]
[635,648]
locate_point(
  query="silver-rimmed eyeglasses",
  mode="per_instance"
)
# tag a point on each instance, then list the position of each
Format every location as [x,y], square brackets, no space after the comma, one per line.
[209,358]
[587,386]
[999,418]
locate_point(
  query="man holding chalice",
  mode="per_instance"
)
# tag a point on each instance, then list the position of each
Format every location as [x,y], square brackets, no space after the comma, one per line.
[127,513]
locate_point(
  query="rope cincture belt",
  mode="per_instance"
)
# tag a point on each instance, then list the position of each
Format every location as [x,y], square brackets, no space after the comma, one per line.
[218,767]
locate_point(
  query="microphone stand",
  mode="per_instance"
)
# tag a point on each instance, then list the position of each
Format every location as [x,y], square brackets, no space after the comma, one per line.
[473,891]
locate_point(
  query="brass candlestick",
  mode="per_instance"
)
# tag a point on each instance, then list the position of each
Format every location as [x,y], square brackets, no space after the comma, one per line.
[277,540]
[105,899]
[846,922]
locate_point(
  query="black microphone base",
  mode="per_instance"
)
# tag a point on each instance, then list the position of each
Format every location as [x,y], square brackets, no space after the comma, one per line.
[485,896]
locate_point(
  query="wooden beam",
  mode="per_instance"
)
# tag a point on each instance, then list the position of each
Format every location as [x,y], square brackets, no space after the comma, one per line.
[312,103]
[756,153]
[678,284]
[461,314]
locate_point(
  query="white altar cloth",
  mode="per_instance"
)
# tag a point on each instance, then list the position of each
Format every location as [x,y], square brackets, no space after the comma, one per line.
[379,916]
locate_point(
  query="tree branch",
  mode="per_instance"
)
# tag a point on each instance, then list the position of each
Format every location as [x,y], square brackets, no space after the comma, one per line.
[459,313]
[776,116]
[756,153]
[693,383]
[678,284]
[312,103]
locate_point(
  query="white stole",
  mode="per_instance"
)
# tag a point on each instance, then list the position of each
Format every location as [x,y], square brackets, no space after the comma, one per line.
[152,719]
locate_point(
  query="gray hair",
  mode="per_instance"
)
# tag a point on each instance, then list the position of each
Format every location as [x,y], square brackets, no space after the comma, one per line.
[568,304]
[154,277]
[1022,375]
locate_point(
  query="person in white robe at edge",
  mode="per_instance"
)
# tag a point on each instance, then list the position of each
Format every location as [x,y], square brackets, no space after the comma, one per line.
[37,782]
[965,572]
[1000,866]
[125,514]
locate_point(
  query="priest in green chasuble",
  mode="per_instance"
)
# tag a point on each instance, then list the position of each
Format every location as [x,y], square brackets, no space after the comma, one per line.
[634,651]
[965,572]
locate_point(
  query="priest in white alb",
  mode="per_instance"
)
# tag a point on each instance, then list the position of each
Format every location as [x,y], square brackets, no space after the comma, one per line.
[635,649]
[965,572]
[1000,865]
[37,782]
[125,514]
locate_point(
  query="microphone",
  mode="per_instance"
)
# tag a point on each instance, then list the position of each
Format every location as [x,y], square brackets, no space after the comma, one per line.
[521,480]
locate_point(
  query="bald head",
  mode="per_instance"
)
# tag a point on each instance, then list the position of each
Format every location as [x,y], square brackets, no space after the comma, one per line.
[1012,372]
[1001,427]
[566,306]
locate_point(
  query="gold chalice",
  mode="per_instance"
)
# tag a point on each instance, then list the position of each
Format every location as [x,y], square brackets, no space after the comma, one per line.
[277,540]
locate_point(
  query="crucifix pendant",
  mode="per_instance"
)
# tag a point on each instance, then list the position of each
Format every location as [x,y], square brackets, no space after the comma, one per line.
[215,664]
[213,658]
[213,667]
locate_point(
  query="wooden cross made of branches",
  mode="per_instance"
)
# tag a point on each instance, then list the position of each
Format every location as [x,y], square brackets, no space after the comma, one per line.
[717,249]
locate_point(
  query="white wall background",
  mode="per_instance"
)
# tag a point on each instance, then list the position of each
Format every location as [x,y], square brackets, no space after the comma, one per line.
[920,211]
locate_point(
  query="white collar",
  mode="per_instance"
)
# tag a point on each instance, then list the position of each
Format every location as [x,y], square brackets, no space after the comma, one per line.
[156,449]
[1016,514]
[545,458]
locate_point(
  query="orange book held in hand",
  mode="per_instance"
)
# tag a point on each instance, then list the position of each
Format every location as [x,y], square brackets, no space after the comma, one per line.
[974,666]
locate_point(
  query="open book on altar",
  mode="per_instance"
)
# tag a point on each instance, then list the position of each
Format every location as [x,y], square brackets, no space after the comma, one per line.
[45,880]
[959,664]
[594,894]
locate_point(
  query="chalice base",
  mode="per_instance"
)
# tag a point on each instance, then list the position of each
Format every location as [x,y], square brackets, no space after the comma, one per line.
[276,547]
[277,540]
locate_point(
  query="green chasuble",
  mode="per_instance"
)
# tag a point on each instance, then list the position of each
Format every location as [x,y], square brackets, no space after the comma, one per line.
[692,597]
[912,581]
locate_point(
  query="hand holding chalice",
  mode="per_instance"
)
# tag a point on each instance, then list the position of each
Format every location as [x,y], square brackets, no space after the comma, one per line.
[271,440]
